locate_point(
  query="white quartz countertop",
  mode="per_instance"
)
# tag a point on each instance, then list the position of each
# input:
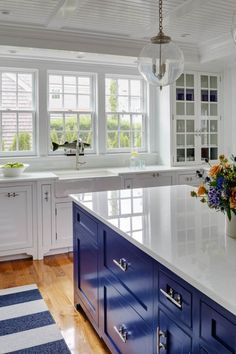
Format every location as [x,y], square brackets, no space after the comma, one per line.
[175,229]
[151,168]
[112,172]
[28,176]
[69,174]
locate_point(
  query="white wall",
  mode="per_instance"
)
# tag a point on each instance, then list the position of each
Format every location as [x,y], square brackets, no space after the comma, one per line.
[229,111]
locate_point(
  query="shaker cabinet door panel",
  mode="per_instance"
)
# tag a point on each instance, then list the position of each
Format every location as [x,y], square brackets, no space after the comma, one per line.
[86,270]
[16,227]
[64,232]
[171,338]
[126,331]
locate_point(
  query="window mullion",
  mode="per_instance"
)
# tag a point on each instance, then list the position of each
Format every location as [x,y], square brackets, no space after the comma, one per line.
[101,131]
[63,92]
[78,124]
[119,130]
[17,131]
[131,132]
[1,145]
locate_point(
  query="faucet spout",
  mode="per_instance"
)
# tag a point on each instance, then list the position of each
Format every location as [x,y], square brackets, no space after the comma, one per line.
[80,152]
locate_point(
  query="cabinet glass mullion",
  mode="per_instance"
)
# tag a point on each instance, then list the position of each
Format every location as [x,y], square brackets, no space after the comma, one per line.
[209,96]
[185,118]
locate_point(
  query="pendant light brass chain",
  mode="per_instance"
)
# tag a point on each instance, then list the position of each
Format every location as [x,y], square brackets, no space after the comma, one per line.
[160,16]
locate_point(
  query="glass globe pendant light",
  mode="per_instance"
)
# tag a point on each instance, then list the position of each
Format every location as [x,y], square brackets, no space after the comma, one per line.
[161,62]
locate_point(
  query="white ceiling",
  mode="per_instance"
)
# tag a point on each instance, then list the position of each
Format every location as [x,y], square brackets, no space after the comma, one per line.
[201,24]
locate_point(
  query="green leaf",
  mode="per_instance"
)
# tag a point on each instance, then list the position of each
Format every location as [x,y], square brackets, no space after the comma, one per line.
[228,211]
[193,194]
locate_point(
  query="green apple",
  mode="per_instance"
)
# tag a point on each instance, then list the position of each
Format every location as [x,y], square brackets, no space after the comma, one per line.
[13,165]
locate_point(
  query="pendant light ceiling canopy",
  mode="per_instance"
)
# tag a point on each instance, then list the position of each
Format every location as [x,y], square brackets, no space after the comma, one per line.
[161,62]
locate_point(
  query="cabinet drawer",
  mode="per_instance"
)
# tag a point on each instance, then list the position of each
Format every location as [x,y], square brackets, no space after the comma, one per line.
[175,298]
[133,269]
[87,223]
[217,330]
[190,179]
[125,329]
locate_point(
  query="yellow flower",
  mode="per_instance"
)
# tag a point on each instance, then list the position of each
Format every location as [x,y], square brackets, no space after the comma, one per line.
[232,198]
[221,157]
[214,170]
[201,190]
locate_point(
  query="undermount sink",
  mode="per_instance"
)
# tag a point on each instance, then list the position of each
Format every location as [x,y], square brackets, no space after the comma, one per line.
[74,174]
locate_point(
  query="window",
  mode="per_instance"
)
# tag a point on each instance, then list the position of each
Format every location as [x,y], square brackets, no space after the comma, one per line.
[17,112]
[71,108]
[125,117]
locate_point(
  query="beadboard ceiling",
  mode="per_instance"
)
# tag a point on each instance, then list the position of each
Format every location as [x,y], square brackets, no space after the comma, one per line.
[194,23]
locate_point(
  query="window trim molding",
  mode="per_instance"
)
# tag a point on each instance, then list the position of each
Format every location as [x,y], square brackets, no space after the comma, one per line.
[144,113]
[93,111]
[34,111]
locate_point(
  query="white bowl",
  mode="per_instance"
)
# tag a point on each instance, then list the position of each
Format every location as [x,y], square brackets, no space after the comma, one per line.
[13,172]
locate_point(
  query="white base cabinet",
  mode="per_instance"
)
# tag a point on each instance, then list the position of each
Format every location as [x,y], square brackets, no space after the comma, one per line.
[147,179]
[16,221]
[63,225]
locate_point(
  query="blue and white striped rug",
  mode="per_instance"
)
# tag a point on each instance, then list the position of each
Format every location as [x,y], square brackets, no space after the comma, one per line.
[26,325]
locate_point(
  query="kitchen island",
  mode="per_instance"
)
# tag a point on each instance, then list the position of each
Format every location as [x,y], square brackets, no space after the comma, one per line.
[154,271]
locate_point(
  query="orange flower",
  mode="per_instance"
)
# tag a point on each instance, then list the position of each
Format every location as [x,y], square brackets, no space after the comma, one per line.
[227,165]
[214,170]
[201,190]
[232,198]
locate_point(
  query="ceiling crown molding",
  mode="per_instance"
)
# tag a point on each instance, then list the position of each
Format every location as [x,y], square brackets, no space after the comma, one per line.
[83,41]
[222,48]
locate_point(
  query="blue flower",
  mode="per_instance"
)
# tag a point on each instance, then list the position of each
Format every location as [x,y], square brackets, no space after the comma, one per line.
[219,182]
[214,195]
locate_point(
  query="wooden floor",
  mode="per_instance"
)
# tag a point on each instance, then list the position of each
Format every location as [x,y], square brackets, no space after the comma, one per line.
[53,276]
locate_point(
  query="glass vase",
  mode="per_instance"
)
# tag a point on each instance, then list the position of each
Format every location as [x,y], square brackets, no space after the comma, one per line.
[230,226]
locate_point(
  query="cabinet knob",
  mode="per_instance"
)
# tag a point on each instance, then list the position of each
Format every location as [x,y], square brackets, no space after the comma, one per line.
[122,332]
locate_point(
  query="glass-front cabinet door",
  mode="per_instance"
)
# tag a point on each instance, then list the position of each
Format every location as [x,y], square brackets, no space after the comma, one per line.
[185,118]
[196,118]
[209,116]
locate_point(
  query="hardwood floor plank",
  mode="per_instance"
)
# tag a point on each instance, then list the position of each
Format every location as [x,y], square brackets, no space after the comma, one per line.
[54,278]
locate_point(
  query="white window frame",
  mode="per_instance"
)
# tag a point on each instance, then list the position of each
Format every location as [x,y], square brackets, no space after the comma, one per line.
[34,110]
[71,111]
[144,114]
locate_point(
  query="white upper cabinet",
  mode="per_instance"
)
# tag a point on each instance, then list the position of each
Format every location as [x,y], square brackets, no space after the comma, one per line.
[196,118]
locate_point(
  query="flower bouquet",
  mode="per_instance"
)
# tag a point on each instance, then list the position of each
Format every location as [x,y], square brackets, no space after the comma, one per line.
[218,189]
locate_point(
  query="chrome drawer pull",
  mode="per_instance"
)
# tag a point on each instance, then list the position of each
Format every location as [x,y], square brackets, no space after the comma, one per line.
[122,264]
[12,195]
[122,333]
[171,296]
[161,346]
[46,196]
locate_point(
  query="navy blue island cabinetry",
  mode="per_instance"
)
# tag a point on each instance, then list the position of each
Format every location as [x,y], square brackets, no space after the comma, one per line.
[136,304]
